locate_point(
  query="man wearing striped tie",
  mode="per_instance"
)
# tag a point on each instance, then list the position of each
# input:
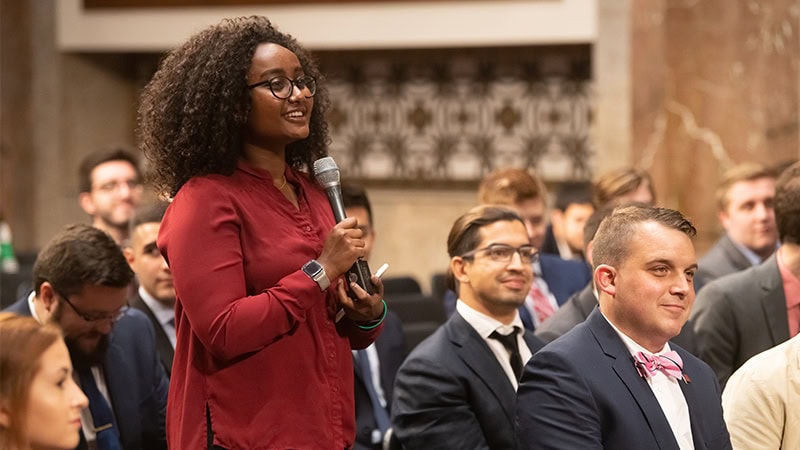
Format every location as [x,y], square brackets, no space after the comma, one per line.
[615,381]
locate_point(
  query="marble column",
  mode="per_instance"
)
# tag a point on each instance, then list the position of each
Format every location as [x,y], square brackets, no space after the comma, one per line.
[710,84]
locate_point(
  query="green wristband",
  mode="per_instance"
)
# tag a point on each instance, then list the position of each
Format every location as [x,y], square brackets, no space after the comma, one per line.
[380,321]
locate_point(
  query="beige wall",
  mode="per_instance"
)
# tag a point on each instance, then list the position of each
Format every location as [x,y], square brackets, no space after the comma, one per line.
[675,95]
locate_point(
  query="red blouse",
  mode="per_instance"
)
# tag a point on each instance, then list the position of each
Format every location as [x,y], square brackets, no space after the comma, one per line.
[256,338]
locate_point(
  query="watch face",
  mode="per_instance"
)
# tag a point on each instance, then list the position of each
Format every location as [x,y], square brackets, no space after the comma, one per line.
[312,268]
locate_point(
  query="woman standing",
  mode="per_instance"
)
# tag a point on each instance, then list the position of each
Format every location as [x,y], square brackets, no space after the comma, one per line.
[232,122]
[40,404]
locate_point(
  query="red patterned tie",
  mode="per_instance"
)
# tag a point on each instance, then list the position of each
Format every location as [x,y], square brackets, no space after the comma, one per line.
[541,304]
[669,363]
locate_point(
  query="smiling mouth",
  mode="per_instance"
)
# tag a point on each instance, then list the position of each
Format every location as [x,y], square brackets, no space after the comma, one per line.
[295,115]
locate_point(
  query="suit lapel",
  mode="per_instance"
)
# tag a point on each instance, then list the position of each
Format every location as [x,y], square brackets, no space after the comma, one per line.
[774,300]
[115,370]
[690,394]
[165,350]
[476,354]
[623,366]
[736,257]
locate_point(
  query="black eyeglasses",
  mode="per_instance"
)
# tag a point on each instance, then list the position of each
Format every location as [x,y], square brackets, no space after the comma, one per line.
[283,87]
[113,317]
[503,253]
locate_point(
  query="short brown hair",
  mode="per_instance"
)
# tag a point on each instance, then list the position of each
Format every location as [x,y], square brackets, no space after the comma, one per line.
[787,205]
[94,159]
[465,232]
[607,188]
[510,187]
[613,237]
[22,342]
[79,256]
[747,171]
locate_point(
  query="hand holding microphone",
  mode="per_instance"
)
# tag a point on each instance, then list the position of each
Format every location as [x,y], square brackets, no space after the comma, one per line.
[327,174]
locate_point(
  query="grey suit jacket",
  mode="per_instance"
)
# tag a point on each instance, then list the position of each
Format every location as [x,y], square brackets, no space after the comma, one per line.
[452,393]
[739,315]
[723,259]
[165,350]
[582,391]
[571,313]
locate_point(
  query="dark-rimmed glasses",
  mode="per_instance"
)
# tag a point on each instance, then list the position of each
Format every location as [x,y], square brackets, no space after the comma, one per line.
[282,87]
[113,317]
[503,253]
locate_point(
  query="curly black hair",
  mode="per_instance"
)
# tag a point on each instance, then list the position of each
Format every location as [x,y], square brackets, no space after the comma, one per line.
[193,112]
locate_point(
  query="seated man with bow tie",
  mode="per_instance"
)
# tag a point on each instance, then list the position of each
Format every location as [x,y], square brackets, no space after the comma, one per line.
[615,381]
[456,388]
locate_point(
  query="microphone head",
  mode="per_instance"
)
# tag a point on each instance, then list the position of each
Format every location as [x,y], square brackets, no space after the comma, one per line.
[326,172]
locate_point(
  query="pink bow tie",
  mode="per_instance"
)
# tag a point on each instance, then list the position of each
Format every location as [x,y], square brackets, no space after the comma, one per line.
[669,363]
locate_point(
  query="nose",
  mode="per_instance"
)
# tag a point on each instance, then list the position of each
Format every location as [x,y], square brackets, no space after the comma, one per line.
[516,262]
[764,212]
[79,399]
[104,326]
[682,286]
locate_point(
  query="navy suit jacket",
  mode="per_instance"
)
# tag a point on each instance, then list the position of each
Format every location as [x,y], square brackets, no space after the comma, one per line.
[451,393]
[583,391]
[135,379]
[165,350]
[391,348]
[564,277]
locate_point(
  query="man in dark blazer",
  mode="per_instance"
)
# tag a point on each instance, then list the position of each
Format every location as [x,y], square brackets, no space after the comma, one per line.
[155,296]
[385,354]
[81,282]
[456,388]
[615,381]
[581,304]
[740,315]
[745,199]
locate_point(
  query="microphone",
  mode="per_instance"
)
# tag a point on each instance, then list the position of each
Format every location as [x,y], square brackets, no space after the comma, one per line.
[327,174]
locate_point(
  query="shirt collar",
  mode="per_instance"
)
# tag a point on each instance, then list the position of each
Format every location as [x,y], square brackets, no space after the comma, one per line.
[162,312]
[632,346]
[32,306]
[484,324]
[790,282]
[749,254]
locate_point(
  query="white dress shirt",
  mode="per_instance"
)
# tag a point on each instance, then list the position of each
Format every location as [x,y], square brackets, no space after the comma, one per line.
[485,325]
[668,393]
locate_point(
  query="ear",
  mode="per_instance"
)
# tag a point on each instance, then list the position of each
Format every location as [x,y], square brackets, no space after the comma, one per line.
[723,218]
[85,200]
[129,256]
[555,217]
[47,297]
[605,279]
[459,268]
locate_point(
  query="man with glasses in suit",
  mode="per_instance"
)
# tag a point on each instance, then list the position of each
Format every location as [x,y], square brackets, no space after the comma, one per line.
[81,284]
[457,388]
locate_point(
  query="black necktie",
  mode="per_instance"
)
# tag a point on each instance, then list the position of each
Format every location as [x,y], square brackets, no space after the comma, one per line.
[381,416]
[510,343]
[105,429]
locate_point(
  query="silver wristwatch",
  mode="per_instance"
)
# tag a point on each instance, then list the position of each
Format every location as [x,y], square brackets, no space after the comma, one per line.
[316,272]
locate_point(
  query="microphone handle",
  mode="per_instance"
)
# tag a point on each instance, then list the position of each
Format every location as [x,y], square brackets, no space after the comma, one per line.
[360,272]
